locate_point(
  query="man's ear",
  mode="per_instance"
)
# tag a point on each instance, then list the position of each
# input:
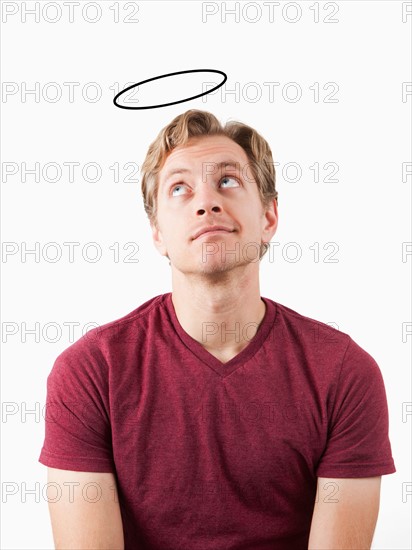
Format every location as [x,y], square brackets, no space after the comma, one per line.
[158,239]
[270,222]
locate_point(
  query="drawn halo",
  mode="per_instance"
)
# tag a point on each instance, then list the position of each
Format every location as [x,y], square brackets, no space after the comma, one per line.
[165,76]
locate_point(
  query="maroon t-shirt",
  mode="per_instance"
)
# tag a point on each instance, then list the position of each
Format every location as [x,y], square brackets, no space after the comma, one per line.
[210,455]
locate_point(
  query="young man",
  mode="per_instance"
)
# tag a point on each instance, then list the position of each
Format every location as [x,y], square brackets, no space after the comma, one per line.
[211,418]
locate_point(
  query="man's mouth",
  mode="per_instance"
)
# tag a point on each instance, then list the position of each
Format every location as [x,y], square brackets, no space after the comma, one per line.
[212,229]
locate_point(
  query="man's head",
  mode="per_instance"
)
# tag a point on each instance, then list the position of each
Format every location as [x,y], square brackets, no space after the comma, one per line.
[194,151]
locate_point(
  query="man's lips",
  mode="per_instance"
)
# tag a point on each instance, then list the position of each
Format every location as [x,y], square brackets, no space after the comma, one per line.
[213,229]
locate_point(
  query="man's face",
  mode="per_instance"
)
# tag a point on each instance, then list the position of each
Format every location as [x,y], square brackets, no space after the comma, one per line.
[209,182]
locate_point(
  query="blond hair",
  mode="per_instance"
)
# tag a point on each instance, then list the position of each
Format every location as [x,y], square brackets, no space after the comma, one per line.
[196,123]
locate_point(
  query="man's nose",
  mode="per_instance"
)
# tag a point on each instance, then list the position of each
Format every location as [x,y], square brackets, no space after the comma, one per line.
[208,198]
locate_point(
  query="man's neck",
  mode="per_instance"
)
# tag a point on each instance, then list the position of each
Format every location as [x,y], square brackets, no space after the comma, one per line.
[222,313]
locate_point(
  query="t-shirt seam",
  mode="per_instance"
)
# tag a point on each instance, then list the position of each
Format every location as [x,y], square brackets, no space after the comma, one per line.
[368,470]
[106,380]
[337,383]
[68,458]
[356,465]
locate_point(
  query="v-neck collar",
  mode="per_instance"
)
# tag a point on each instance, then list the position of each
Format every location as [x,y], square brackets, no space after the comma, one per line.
[223,369]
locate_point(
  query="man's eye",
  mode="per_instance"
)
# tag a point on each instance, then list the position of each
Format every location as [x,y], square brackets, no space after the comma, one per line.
[230,178]
[224,180]
[177,186]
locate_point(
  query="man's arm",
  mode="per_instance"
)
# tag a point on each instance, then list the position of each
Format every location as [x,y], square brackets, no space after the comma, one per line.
[345,513]
[87,514]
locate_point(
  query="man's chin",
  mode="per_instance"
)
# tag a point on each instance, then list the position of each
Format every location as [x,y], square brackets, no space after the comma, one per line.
[211,266]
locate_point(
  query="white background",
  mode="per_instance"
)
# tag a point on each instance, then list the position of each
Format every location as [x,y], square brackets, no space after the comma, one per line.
[366,133]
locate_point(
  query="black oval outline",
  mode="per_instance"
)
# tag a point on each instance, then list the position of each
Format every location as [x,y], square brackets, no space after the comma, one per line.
[165,76]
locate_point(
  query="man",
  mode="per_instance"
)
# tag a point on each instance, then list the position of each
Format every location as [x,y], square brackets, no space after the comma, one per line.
[211,418]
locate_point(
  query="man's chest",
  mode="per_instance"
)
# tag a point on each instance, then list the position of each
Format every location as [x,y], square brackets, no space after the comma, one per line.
[207,438]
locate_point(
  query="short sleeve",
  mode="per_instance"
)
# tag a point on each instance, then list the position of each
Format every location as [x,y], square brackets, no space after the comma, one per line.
[77,419]
[358,442]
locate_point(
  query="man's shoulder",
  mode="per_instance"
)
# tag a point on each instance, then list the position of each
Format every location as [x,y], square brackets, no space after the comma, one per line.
[325,342]
[307,328]
[128,329]
[137,319]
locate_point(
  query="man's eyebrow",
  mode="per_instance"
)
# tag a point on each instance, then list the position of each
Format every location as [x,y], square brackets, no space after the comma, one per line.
[171,173]
[221,164]
[226,164]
